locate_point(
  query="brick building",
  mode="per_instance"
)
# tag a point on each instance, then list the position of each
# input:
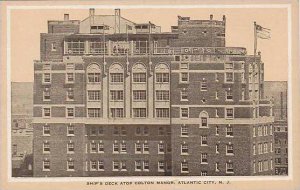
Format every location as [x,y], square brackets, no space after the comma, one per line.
[277,90]
[113,97]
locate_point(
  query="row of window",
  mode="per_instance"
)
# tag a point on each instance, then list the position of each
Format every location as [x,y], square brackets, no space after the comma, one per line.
[229,113]
[118,147]
[278,150]
[229,78]
[229,130]
[262,165]
[117,130]
[262,148]
[114,112]
[139,165]
[114,77]
[228,95]
[185,149]
[262,130]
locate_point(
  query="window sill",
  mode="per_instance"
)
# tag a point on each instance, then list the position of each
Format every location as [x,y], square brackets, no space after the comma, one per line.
[184,100]
[229,172]
[70,135]
[46,100]
[229,136]
[184,136]
[46,170]
[46,152]
[184,172]
[71,170]
[70,100]
[161,171]
[184,154]
[204,163]
[70,152]
[229,154]
[45,135]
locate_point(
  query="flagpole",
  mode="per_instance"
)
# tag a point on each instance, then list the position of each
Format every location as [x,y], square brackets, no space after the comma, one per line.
[103,43]
[127,43]
[253,67]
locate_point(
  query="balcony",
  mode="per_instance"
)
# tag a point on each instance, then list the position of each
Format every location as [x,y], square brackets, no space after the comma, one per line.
[122,48]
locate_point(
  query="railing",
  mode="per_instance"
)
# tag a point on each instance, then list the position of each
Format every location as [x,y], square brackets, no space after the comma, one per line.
[142,48]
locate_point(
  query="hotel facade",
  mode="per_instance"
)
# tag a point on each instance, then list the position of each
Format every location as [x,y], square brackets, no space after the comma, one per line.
[118,98]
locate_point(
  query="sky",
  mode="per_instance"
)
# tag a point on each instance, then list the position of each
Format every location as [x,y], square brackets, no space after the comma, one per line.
[26,26]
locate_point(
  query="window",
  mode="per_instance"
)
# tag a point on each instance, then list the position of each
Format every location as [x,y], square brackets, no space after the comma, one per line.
[47,112]
[70,112]
[14,149]
[254,131]
[116,95]
[123,131]
[217,130]
[217,95]
[204,85]
[260,148]
[70,147]
[93,95]
[184,130]
[271,129]
[217,167]
[266,167]
[93,165]
[46,165]
[116,165]
[229,167]
[184,167]
[70,94]
[123,147]
[162,112]
[184,95]
[93,147]
[265,147]
[229,149]
[116,130]
[138,165]
[117,112]
[138,148]
[254,149]
[93,131]
[204,122]
[100,131]
[139,112]
[53,46]
[146,148]
[184,112]
[93,112]
[271,147]
[229,113]
[139,77]
[46,130]
[204,140]
[277,160]
[229,131]
[266,130]
[184,65]
[184,77]
[101,147]
[139,95]
[46,147]
[277,150]
[229,77]
[146,130]
[271,164]
[101,165]
[46,95]
[70,130]
[115,147]
[47,78]
[161,166]
[138,131]
[216,77]
[161,148]
[162,95]
[229,95]
[228,66]
[254,167]
[146,166]
[260,133]
[203,158]
[70,77]
[260,166]
[184,149]
[116,77]
[93,77]
[217,148]
[243,94]
[162,77]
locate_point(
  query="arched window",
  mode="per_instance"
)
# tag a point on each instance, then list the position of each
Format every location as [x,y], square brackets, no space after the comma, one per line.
[139,73]
[93,73]
[162,73]
[116,73]
[203,116]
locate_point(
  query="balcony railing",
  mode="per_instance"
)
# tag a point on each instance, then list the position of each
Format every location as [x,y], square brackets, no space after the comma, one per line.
[115,48]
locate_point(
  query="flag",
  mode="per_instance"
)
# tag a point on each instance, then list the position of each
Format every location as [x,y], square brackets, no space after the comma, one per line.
[263,33]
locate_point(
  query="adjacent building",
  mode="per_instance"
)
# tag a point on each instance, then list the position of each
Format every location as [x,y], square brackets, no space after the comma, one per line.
[113,97]
[277,90]
[22,131]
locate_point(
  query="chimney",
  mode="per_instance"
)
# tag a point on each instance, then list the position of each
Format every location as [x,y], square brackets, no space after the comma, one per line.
[66,17]
[224,18]
[92,11]
[211,17]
